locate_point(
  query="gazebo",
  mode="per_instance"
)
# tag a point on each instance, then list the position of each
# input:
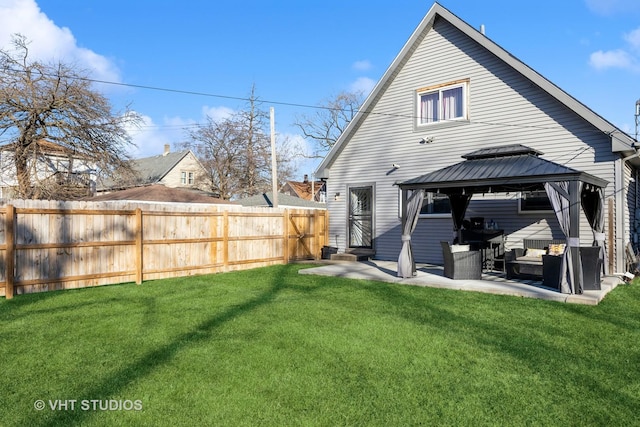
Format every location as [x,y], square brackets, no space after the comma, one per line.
[512,168]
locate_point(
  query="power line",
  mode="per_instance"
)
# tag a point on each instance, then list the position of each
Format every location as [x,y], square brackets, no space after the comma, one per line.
[294,104]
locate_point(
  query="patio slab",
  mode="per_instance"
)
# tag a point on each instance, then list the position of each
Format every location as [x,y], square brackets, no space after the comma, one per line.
[433,276]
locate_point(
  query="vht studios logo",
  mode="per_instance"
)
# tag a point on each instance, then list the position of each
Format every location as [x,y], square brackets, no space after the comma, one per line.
[88,405]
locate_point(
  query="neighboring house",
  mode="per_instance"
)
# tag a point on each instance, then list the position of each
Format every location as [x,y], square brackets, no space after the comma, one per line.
[55,163]
[307,190]
[284,201]
[449,92]
[174,170]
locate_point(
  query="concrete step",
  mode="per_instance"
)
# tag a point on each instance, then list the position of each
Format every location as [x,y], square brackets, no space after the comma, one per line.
[344,257]
[355,254]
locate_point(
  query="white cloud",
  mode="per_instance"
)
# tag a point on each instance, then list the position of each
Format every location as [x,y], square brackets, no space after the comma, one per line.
[362,84]
[633,38]
[48,42]
[618,58]
[217,113]
[150,138]
[364,65]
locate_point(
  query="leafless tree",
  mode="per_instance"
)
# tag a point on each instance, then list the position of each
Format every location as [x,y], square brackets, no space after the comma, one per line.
[236,151]
[217,146]
[329,121]
[55,102]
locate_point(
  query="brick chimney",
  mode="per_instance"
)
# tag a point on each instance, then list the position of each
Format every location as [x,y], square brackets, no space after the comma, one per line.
[167,149]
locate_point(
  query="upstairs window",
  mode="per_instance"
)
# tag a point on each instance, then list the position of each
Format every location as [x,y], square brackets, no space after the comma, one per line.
[443,102]
[187,178]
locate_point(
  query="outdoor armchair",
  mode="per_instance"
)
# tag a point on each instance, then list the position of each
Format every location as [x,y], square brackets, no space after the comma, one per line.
[461,265]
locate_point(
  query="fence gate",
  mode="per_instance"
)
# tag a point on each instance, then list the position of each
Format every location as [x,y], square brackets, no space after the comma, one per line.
[307,233]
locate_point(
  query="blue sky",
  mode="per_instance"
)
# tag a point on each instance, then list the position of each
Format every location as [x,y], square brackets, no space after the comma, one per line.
[302,52]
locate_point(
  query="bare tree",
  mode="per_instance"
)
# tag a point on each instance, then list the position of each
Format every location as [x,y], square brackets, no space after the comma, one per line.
[217,146]
[236,151]
[55,103]
[330,120]
[255,164]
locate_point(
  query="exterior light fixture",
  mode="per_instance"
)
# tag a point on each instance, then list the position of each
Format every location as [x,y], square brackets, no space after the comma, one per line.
[426,140]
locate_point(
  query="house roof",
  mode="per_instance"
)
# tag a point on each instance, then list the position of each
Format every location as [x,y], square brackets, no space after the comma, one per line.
[620,141]
[153,169]
[150,170]
[266,199]
[47,147]
[499,169]
[303,189]
[160,193]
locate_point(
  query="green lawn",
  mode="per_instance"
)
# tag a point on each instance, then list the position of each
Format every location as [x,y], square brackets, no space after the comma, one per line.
[271,347]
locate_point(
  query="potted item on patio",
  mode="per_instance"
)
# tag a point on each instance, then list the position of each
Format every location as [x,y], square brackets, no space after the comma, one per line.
[327,251]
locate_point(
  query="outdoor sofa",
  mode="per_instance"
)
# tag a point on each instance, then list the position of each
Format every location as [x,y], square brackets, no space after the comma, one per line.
[527,262]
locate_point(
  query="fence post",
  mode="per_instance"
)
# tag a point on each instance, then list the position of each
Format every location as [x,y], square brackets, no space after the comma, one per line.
[326,228]
[139,248]
[10,243]
[316,230]
[285,236]
[213,250]
[225,240]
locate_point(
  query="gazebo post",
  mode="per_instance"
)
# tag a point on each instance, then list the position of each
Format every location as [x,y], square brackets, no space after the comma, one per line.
[574,235]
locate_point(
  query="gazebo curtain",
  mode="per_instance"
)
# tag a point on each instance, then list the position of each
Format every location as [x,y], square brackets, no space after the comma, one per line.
[459,204]
[558,193]
[593,206]
[406,264]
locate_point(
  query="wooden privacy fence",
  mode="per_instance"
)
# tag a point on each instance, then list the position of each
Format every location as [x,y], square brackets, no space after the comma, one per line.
[51,248]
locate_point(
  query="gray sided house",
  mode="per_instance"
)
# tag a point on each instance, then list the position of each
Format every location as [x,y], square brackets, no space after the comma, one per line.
[453,92]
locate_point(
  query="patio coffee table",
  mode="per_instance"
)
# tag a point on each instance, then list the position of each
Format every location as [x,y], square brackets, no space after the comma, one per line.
[524,269]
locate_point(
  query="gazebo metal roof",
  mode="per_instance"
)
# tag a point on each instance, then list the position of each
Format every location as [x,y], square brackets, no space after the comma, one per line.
[499,169]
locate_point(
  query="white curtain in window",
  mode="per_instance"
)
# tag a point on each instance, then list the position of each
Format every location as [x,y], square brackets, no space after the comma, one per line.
[452,103]
[429,108]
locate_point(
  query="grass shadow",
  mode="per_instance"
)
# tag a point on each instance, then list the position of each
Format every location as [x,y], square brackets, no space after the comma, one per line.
[157,358]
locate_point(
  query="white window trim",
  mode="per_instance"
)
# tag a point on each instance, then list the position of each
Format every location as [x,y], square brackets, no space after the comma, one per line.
[440,88]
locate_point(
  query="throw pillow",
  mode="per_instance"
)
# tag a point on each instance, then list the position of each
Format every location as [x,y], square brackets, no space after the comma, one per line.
[460,248]
[556,249]
[532,252]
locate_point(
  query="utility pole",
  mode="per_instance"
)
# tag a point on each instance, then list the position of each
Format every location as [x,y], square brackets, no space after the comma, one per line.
[274,163]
